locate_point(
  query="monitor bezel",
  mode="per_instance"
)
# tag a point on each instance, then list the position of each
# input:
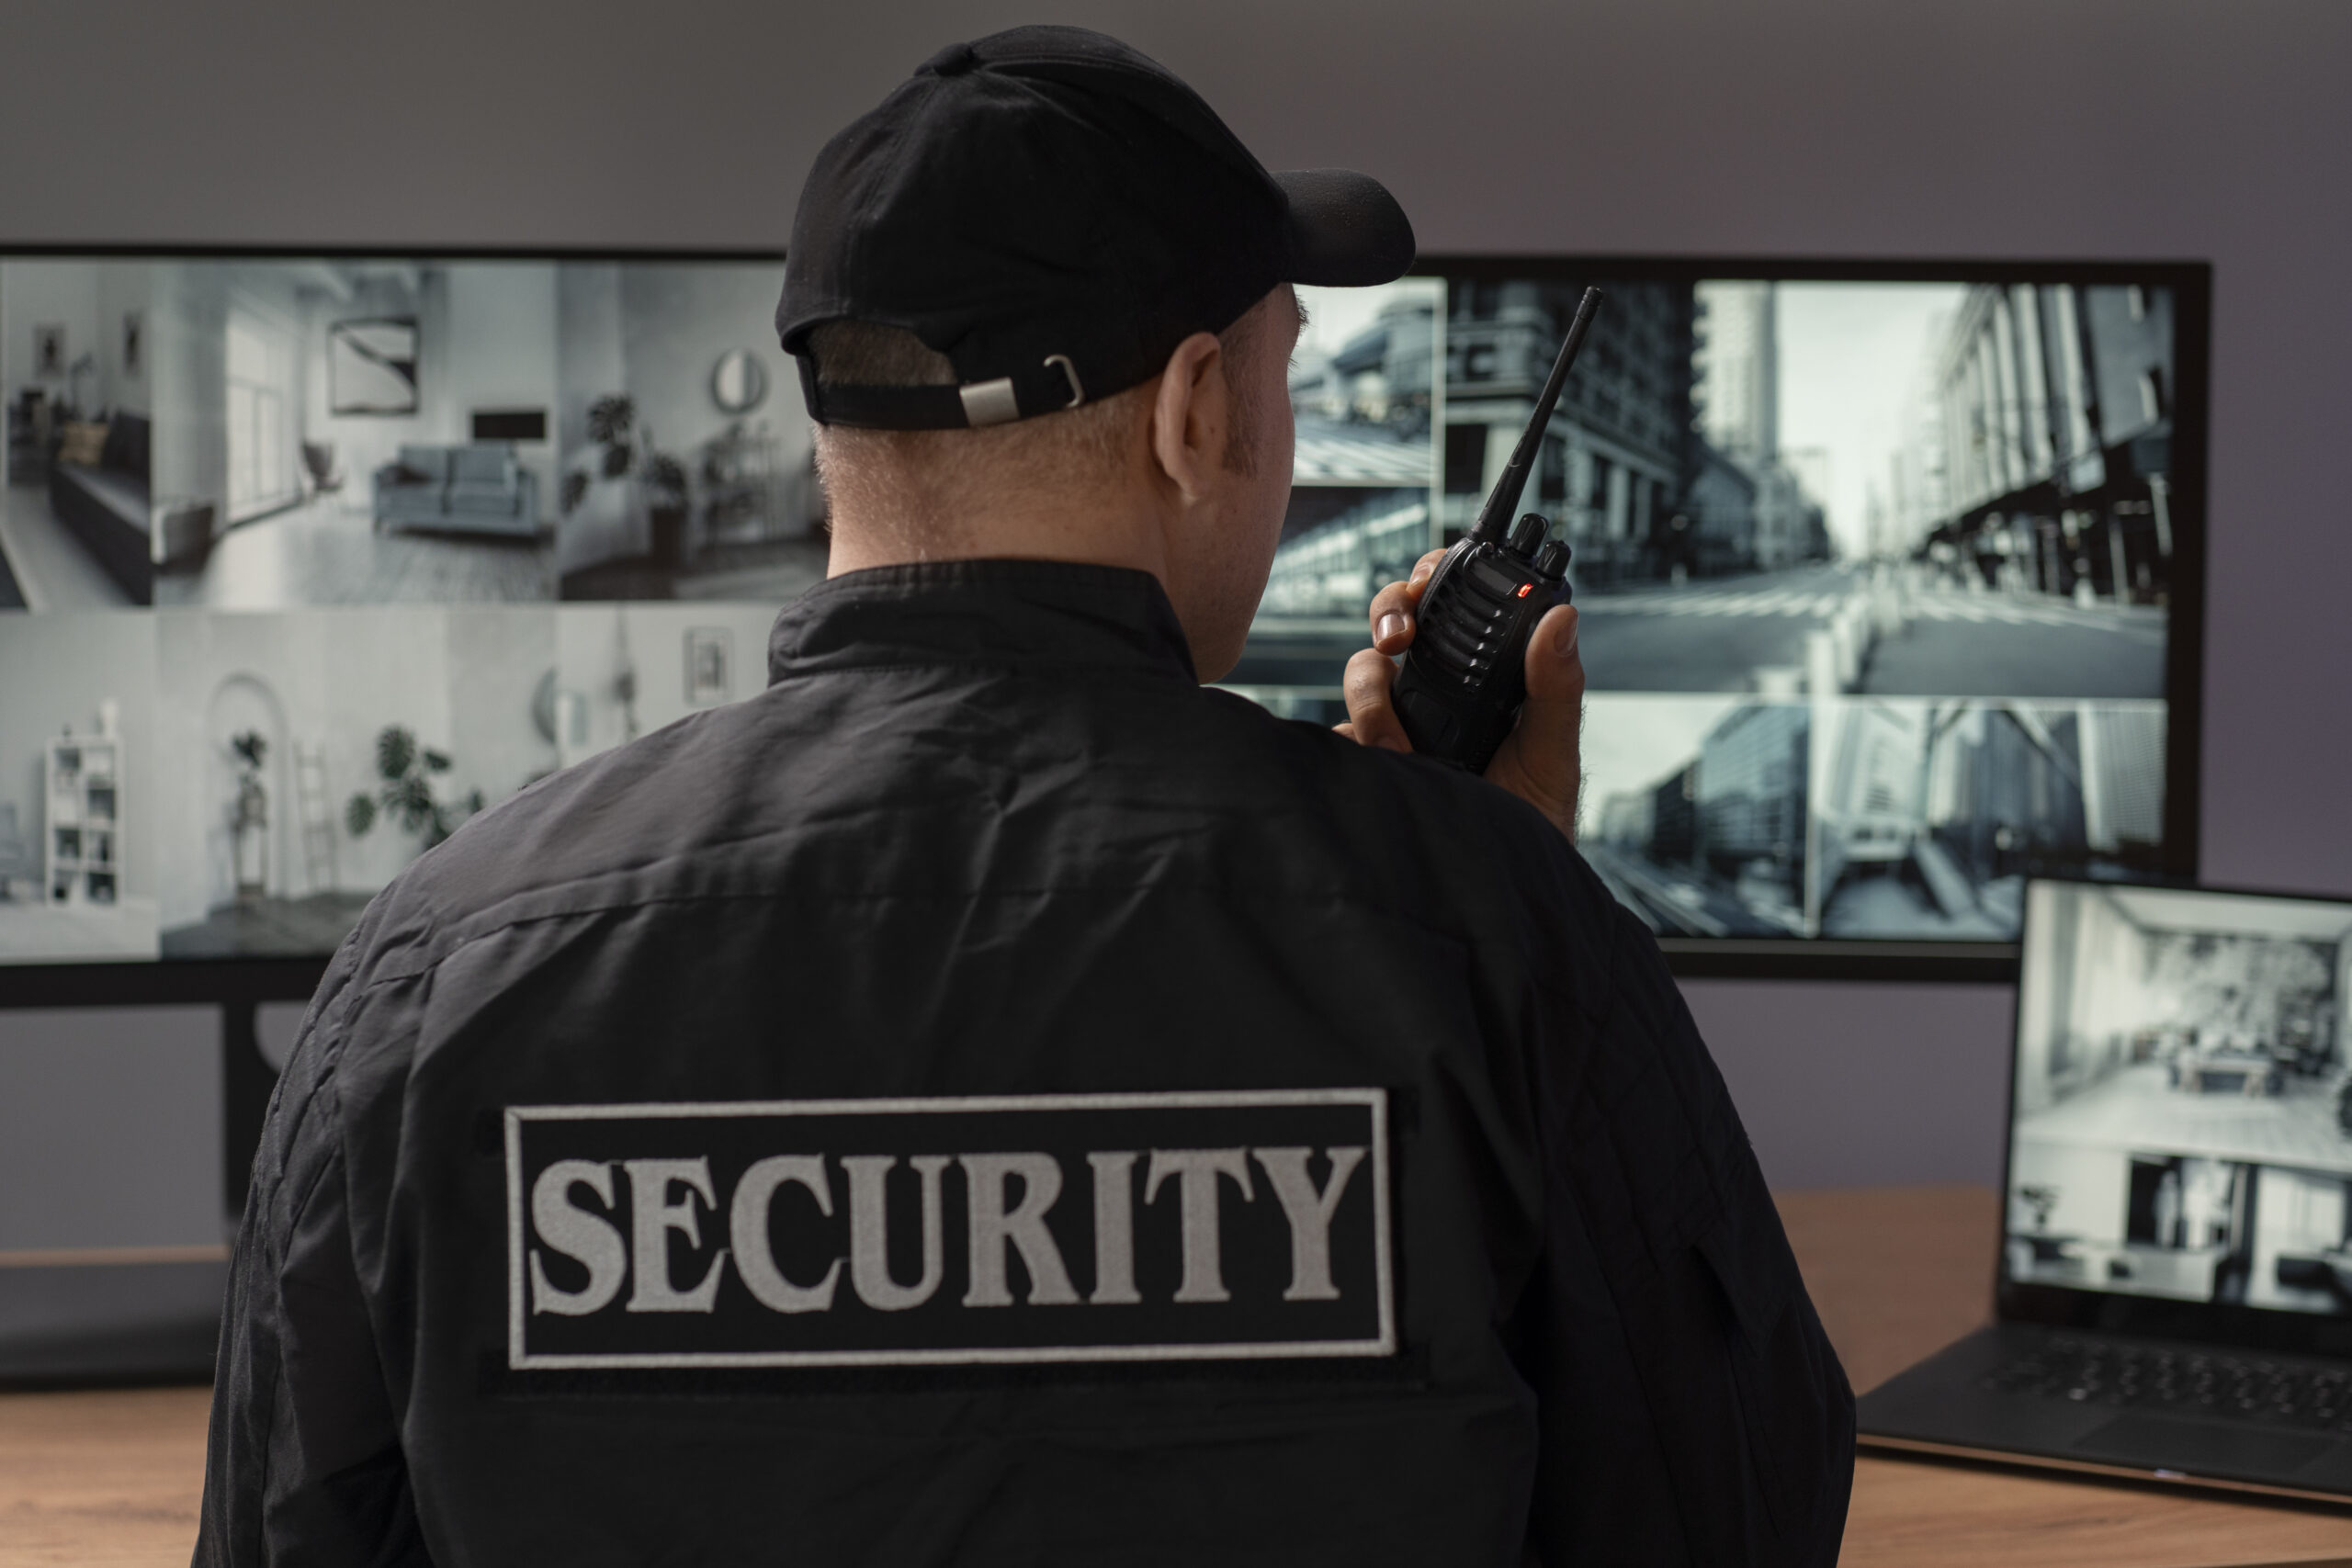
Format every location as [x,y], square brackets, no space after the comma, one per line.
[2117,1312]
[1793,958]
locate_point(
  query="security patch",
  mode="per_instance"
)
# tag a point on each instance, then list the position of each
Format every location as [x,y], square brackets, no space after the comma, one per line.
[1105,1227]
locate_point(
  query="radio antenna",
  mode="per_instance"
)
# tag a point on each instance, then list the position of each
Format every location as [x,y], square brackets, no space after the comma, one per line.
[1495,517]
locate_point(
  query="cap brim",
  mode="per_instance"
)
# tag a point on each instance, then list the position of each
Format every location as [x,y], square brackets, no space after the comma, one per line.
[1346,230]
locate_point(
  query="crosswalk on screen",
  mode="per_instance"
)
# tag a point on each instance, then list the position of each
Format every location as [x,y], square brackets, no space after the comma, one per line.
[1879,578]
[307,558]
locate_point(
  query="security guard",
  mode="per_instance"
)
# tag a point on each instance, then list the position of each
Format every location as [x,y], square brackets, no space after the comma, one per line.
[989,1098]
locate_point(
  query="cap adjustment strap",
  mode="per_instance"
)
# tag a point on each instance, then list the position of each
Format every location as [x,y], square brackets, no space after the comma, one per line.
[1077,392]
[989,402]
[1050,387]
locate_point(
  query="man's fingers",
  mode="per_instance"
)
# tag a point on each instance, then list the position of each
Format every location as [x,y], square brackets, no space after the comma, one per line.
[1392,618]
[1371,720]
[1393,607]
[1543,761]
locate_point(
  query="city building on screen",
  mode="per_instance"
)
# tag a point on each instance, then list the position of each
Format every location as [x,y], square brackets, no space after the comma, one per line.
[2057,406]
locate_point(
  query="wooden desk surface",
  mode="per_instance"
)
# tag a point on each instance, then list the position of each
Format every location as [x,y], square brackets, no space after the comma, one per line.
[110,1480]
[1897,1273]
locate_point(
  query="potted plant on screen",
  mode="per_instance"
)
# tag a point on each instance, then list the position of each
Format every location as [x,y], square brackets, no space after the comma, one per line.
[409,791]
[625,449]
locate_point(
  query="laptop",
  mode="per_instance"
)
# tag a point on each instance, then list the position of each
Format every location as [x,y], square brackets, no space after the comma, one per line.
[2174,1289]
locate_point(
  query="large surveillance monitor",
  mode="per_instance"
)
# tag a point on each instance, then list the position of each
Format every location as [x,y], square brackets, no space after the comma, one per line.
[1890,574]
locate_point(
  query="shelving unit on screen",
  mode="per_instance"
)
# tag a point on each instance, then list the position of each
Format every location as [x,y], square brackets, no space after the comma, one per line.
[85,789]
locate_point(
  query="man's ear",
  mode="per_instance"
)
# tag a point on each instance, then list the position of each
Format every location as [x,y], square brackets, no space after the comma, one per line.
[1192,416]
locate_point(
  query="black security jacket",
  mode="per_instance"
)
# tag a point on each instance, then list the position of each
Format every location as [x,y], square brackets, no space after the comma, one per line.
[983,834]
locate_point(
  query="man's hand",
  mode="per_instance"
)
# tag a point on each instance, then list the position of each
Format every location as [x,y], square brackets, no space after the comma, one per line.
[1541,761]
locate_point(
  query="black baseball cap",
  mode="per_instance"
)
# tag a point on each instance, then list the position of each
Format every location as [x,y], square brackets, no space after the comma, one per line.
[1055,213]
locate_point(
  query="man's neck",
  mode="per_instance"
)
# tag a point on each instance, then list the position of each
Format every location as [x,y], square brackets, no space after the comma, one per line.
[1098,533]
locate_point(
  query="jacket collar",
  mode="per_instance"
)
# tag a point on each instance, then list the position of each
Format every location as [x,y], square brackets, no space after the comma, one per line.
[1031,612]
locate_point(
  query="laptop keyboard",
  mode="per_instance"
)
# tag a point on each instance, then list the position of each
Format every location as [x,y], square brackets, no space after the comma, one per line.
[2183,1382]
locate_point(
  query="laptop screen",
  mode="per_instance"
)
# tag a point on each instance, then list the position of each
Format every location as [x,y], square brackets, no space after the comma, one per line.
[2182,1110]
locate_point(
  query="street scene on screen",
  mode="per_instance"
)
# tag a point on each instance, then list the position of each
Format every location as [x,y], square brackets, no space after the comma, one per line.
[1873,578]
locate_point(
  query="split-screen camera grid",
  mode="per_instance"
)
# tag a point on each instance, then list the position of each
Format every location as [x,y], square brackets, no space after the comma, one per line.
[303,562]
[1875,578]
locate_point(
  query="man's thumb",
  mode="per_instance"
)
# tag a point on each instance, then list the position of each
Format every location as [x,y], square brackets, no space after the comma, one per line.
[1549,760]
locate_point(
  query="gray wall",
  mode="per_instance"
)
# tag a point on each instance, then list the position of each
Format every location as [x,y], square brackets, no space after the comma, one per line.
[98,1147]
[1989,127]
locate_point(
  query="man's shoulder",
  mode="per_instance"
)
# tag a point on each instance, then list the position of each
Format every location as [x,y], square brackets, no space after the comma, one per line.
[1275,802]
[1444,828]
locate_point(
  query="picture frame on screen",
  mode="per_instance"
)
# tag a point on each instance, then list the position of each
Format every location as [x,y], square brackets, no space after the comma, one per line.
[372,364]
[711,657]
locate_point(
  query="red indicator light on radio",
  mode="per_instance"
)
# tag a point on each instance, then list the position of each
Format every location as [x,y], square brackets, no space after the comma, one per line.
[1525,589]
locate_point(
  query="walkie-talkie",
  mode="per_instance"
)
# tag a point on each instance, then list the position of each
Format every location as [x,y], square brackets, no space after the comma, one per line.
[1465,675]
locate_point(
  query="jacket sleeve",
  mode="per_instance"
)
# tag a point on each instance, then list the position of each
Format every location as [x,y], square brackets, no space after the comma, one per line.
[1692,1407]
[303,1464]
